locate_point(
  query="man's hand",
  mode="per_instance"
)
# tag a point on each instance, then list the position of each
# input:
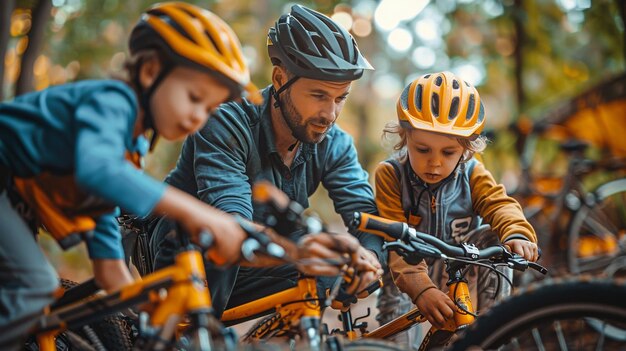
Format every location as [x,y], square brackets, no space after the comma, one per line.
[436,306]
[330,252]
[524,248]
[368,271]
[324,254]
[327,254]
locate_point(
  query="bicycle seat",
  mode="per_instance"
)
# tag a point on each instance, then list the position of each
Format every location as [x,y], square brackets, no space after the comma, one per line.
[574,145]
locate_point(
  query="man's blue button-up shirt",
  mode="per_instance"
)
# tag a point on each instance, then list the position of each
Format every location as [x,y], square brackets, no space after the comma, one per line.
[236,148]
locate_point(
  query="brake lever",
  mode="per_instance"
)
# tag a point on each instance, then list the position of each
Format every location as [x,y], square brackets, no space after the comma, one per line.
[539,268]
[258,242]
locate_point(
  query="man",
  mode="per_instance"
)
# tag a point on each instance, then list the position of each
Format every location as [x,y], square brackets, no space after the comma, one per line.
[291,141]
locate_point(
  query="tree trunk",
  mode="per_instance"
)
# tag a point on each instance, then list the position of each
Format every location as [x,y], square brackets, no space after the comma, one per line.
[520,36]
[6,7]
[40,16]
[621,5]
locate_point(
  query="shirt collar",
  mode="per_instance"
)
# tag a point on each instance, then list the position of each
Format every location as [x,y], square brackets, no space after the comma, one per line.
[141,145]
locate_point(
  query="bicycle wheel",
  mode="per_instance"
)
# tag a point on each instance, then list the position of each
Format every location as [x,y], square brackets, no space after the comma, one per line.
[369,345]
[553,315]
[597,229]
[111,333]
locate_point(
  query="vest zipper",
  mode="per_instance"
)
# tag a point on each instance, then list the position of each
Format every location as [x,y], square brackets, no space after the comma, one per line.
[433,203]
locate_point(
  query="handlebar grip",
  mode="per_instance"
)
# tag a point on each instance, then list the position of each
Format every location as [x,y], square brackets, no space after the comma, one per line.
[370,289]
[385,228]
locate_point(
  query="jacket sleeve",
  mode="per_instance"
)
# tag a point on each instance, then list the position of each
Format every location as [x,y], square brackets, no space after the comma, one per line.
[102,125]
[107,240]
[412,280]
[348,187]
[219,158]
[501,211]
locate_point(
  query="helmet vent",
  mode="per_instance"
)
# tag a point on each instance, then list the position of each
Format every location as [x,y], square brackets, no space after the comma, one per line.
[454,108]
[481,113]
[438,81]
[177,26]
[471,105]
[319,43]
[455,84]
[215,45]
[404,98]
[426,76]
[434,104]
[418,97]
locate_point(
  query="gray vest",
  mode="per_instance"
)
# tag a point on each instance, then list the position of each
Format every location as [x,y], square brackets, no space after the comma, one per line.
[446,211]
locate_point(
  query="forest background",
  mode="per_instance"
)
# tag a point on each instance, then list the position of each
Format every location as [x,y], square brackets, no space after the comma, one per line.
[527,58]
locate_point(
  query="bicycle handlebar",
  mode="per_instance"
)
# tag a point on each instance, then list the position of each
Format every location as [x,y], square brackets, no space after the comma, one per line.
[425,245]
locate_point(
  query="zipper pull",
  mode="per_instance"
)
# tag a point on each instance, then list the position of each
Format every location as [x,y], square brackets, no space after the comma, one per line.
[433,204]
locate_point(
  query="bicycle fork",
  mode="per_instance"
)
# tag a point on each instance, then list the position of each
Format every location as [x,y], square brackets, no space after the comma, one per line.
[463,315]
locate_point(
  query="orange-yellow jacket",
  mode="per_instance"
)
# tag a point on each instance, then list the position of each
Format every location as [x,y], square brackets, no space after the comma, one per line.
[449,211]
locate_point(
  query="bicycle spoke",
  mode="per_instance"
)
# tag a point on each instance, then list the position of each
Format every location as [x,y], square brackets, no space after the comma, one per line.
[537,338]
[599,226]
[513,343]
[600,345]
[559,335]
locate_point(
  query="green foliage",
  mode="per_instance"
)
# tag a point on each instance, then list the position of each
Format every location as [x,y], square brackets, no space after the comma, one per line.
[563,53]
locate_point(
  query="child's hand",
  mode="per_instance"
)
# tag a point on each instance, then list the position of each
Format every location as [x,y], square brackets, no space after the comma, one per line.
[111,274]
[197,217]
[436,306]
[227,233]
[524,248]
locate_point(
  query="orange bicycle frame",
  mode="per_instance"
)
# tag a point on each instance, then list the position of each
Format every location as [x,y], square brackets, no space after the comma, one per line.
[461,318]
[166,295]
[291,304]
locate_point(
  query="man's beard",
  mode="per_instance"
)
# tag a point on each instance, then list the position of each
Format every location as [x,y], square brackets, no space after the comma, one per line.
[296,123]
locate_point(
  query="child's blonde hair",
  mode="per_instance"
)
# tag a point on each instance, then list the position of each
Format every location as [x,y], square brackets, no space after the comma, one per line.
[471,145]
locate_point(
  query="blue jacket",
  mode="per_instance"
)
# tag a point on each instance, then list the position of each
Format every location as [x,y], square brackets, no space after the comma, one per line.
[84,129]
[236,148]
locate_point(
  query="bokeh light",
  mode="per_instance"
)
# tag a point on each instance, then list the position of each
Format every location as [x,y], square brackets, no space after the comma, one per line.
[343,18]
[470,72]
[428,30]
[387,86]
[423,57]
[400,40]
[362,27]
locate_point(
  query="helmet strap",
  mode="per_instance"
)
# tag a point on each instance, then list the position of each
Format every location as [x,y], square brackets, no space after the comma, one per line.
[276,93]
[146,96]
[278,104]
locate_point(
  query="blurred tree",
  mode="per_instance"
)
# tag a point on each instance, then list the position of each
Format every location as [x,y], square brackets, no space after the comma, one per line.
[6,7]
[39,20]
[523,55]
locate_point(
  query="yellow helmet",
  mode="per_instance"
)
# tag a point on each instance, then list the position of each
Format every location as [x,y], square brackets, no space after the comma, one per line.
[191,36]
[442,103]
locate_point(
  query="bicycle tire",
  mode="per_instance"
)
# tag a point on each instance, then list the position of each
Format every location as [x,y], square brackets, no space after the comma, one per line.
[550,315]
[370,345]
[603,222]
[113,333]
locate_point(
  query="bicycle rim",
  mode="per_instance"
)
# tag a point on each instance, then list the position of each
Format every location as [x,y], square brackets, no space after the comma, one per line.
[370,345]
[563,327]
[597,233]
[547,318]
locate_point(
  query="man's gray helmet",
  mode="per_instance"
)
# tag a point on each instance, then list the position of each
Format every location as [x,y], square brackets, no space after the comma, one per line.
[311,45]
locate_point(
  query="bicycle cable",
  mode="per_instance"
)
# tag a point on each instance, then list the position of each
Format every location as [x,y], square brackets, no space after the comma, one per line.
[484,265]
